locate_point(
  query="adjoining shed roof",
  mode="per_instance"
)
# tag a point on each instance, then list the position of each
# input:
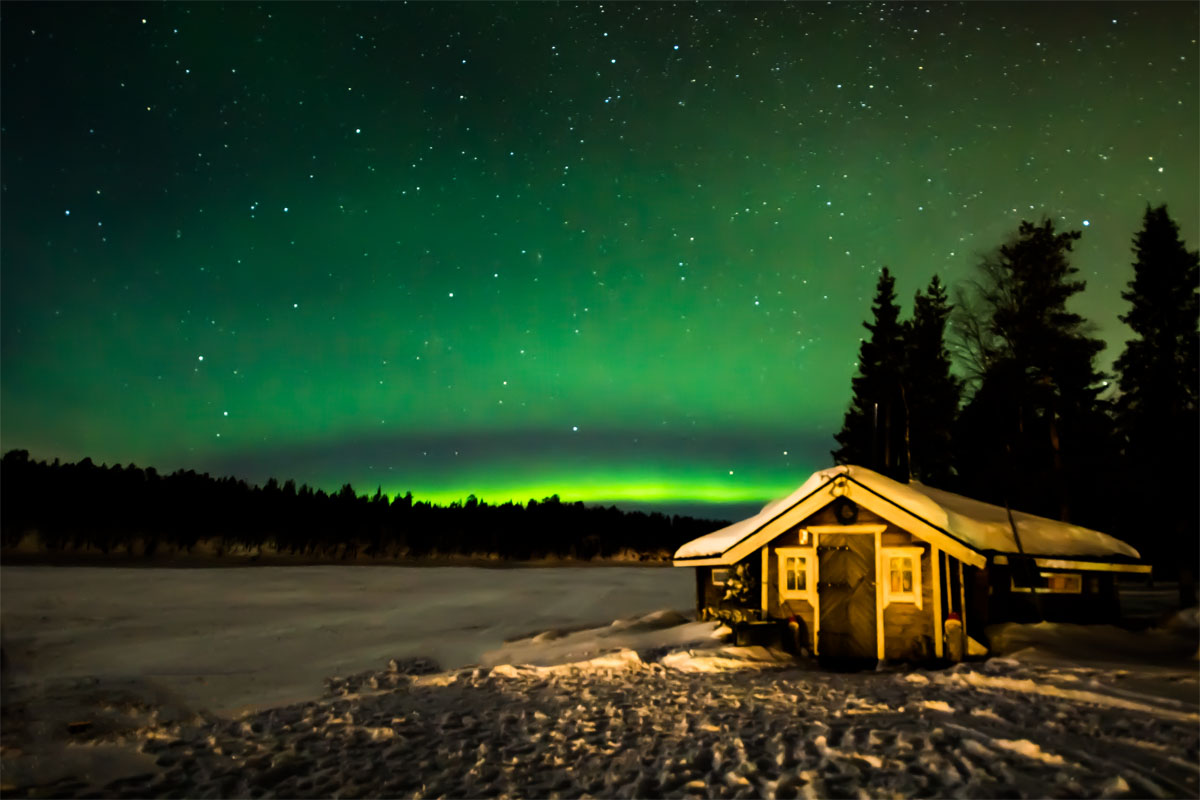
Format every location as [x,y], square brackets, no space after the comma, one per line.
[980,526]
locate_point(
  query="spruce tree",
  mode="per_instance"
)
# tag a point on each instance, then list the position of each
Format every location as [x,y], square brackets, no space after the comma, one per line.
[872,433]
[1159,385]
[1032,433]
[930,391]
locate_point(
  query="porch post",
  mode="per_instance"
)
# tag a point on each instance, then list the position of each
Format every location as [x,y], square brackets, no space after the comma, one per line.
[766,572]
[962,606]
[879,595]
[936,562]
[949,593]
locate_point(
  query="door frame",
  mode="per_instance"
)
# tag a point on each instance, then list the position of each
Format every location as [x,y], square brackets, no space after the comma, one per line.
[866,530]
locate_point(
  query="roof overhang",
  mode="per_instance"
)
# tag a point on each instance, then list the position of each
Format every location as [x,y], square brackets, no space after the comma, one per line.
[1076,564]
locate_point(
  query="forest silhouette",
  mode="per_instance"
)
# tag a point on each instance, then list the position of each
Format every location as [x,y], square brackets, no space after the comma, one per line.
[75,507]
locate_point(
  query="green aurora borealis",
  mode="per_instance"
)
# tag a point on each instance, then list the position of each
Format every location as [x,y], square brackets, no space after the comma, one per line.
[617,252]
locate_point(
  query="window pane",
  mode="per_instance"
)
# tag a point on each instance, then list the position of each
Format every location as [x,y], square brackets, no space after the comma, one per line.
[895,581]
[1063,583]
[802,577]
[907,581]
[791,580]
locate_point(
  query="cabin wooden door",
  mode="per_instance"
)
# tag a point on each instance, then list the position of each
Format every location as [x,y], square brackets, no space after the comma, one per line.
[846,584]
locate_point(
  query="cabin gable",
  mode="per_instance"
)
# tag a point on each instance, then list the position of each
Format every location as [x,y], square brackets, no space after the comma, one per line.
[840,490]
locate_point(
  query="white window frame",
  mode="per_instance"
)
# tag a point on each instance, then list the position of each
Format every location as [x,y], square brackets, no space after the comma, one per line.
[725,570]
[914,596]
[810,557]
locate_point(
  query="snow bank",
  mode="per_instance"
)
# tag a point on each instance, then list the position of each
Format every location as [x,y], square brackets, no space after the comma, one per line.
[667,638]
[1069,644]
[645,633]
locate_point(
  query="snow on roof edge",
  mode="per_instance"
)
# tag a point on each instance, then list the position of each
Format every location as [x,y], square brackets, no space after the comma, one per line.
[980,526]
[717,542]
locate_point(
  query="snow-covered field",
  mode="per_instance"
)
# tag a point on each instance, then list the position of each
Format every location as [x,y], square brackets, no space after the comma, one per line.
[147,682]
[228,639]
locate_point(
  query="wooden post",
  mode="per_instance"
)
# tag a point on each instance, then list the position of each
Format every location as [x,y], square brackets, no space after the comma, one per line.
[879,641]
[766,572]
[936,581]
[962,606]
[816,593]
[949,594]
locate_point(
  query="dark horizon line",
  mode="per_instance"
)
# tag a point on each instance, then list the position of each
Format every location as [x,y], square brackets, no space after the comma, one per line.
[644,507]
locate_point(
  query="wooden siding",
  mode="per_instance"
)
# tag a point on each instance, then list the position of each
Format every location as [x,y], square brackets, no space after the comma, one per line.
[826,516]
[895,537]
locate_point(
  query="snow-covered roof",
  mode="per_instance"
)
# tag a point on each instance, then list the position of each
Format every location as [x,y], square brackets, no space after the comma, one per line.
[980,526]
[718,542]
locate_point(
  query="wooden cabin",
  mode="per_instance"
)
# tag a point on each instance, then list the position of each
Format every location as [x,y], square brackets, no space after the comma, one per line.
[859,566]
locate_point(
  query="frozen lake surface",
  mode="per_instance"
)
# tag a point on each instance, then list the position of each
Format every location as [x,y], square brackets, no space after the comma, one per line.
[229,638]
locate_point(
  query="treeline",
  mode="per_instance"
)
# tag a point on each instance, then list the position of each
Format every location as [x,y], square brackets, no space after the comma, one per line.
[1026,417]
[111,509]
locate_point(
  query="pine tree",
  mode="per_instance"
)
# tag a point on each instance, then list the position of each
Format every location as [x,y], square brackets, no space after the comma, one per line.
[1158,371]
[873,430]
[930,391]
[1160,386]
[1032,432]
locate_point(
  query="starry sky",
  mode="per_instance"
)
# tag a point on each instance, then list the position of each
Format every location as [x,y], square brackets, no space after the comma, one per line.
[616,251]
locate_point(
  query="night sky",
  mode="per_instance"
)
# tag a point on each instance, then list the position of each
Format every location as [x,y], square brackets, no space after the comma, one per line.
[620,252]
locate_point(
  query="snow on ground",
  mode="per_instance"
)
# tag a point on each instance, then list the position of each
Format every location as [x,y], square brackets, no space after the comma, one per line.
[652,705]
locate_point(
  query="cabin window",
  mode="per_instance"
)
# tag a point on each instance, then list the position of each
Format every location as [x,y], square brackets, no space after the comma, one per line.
[902,575]
[1054,583]
[795,573]
[1063,582]
[719,576]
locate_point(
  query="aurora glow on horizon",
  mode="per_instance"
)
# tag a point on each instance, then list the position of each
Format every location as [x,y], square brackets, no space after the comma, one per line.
[616,252]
